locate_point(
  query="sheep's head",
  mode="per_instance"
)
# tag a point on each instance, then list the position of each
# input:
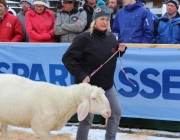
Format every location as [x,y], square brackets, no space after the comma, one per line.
[95,102]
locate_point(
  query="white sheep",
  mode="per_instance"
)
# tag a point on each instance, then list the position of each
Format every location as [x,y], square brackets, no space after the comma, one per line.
[43,106]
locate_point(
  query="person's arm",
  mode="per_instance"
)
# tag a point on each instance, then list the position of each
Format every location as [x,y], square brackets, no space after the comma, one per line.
[122,48]
[18,34]
[73,55]
[148,27]
[58,30]
[79,26]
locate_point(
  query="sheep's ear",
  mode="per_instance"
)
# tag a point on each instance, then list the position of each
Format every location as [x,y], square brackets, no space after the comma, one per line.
[83,110]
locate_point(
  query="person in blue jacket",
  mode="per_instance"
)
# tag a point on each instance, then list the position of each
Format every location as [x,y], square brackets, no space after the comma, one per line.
[154,16]
[167,28]
[134,23]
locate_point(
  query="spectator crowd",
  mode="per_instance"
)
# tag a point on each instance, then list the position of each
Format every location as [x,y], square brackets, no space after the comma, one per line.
[131,19]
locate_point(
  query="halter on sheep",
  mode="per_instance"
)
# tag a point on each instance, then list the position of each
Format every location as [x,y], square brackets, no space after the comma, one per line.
[44,106]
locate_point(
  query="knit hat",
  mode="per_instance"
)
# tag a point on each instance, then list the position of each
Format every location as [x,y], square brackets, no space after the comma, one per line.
[3,2]
[29,1]
[101,10]
[175,2]
[42,2]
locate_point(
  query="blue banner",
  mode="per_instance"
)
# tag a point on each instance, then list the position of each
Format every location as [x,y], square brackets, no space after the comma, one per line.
[155,72]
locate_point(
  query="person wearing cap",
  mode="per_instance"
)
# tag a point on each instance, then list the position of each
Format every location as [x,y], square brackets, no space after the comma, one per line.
[133,23]
[167,28]
[39,21]
[154,16]
[114,5]
[59,6]
[88,51]
[25,4]
[10,26]
[89,6]
[70,21]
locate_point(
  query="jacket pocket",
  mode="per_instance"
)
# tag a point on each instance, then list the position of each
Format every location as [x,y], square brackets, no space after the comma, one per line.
[135,20]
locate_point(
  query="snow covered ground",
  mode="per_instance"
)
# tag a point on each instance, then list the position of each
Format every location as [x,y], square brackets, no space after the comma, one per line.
[123,133]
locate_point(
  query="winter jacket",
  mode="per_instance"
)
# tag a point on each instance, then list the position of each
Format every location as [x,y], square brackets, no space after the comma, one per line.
[168,31]
[10,29]
[65,24]
[87,53]
[154,16]
[134,23]
[40,27]
[89,11]
[21,17]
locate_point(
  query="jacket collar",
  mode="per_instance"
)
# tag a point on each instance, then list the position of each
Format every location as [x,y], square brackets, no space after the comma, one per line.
[73,11]
[99,33]
[132,7]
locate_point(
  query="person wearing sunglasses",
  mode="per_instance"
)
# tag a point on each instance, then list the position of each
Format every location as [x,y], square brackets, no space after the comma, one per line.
[70,22]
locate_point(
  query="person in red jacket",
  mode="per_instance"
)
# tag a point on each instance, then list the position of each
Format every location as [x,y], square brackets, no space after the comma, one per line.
[10,26]
[39,22]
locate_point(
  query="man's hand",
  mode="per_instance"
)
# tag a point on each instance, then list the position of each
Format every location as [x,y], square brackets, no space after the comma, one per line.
[78,21]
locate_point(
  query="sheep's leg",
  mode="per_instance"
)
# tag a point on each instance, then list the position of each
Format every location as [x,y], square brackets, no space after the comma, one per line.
[5,132]
[44,135]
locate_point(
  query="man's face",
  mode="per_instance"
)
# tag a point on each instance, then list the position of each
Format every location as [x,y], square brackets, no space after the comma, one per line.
[91,2]
[112,4]
[2,9]
[68,6]
[128,2]
[171,8]
[144,5]
[25,5]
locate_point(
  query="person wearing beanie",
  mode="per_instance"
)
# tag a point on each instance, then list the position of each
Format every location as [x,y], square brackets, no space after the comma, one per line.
[167,28]
[88,51]
[10,26]
[133,23]
[114,5]
[40,22]
[70,22]
[175,2]
[25,4]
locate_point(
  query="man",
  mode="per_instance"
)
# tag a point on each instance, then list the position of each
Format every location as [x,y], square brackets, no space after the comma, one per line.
[167,28]
[133,23]
[114,6]
[25,4]
[59,6]
[10,27]
[70,22]
[154,16]
[89,6]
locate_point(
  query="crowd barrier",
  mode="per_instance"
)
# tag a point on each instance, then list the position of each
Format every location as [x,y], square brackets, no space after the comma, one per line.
[153,68]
